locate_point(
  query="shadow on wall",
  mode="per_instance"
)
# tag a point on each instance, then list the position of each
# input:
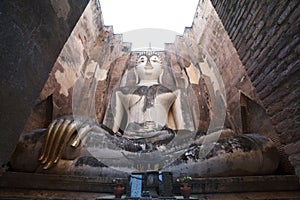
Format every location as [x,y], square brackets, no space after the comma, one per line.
[32,34]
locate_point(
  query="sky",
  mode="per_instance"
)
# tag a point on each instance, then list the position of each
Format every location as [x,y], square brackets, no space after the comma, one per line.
[148,21]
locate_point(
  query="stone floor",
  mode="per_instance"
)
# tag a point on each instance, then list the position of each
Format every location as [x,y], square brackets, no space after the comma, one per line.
[15,185]
[63,195]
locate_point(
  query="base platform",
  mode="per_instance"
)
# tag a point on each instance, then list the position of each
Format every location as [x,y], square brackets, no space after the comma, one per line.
[17,185]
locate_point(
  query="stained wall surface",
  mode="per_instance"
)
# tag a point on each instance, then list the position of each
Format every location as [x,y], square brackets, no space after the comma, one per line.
[32,34]
[80,80]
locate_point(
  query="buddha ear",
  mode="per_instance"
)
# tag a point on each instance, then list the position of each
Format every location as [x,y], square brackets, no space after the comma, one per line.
[160,78]
[137,80]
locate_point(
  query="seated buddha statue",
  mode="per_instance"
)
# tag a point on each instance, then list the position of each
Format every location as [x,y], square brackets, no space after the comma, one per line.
[79,145]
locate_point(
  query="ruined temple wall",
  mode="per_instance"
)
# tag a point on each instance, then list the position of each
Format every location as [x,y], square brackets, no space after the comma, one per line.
[81,71]
[266,36]
[207,37]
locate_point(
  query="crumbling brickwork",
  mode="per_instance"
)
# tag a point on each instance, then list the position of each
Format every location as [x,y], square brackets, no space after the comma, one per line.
[266,36]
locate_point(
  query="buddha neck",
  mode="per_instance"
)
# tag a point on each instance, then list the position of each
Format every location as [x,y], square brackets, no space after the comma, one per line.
[148,82]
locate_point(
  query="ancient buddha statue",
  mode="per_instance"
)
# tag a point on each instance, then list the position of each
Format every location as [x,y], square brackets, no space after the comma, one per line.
[69,143]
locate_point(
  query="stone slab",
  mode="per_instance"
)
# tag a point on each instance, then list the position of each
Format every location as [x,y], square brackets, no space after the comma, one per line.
[11,181]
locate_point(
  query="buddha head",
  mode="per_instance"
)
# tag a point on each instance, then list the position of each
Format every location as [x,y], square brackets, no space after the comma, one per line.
[148,68]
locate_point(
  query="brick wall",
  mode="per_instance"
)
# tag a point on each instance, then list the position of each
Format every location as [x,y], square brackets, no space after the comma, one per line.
[266,37]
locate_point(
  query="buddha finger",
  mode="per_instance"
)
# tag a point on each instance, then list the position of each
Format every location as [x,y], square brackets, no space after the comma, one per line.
[46,141]
[81,134]
[50,162]
[52,136]
[59,137]
[69,131]
[48,165]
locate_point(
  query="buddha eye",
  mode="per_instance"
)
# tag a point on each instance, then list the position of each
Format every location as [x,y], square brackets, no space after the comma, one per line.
[142,59]
[154,59]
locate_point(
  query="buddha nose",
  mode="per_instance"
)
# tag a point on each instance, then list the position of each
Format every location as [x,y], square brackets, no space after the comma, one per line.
[148,65]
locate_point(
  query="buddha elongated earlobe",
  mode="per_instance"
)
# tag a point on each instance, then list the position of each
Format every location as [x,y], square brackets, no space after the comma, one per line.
[137,79]
[161,77]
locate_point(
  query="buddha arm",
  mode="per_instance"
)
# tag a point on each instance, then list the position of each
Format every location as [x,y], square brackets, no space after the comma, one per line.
[119,111]
[177,111]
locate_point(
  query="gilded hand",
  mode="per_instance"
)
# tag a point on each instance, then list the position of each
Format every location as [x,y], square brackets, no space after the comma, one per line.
[61,134]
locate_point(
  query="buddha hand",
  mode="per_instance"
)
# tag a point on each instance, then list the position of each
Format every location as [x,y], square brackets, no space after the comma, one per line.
[63,133]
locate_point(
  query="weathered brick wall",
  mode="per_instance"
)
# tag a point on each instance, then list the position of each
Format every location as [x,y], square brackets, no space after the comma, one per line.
[266,36]
[80,76]
[208,44]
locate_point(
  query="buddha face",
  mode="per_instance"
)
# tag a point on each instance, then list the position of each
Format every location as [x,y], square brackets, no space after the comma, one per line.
[149,67]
